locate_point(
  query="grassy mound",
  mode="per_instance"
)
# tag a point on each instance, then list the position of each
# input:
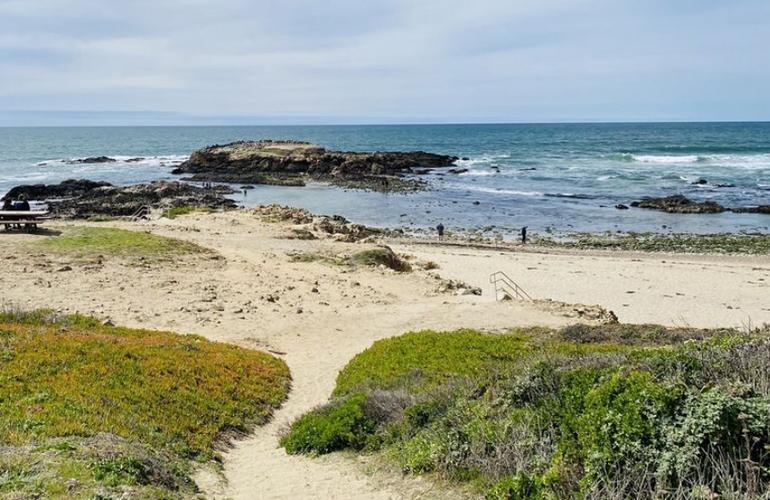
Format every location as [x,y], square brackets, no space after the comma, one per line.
[68,385]
[381,256]
[617,411]
[111,241]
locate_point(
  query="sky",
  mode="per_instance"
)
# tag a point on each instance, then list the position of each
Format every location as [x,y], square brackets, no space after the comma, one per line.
[382,61]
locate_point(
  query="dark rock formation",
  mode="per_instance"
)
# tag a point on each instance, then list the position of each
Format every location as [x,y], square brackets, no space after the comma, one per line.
[83,198]
[125,201]
[93,159]
[621,206]
[67,189]
[290,162]
[761,209]
[678,204]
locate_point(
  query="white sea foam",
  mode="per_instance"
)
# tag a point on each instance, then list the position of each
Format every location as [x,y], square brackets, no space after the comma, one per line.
[479,173]
[498,191]
[666,158]
[120,160]
[747,161]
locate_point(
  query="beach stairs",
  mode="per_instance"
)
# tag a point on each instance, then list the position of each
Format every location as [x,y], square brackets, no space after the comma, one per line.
[506,288]
[142,213]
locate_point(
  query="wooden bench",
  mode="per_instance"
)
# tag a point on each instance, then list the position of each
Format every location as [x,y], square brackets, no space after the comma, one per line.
[22,219]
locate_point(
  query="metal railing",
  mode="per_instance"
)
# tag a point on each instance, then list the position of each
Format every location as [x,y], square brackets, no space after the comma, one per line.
[141,213]
[505,287]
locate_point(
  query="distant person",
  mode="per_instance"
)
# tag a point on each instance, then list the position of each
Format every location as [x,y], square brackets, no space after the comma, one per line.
[440,229]
[21,204]
[7,205]
[524,235]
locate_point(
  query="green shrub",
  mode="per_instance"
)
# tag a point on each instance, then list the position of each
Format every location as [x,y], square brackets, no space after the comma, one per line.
[342,424]
[120,470]
[622,423]
[627,411]
[381,256]
[518,487]
[736,422]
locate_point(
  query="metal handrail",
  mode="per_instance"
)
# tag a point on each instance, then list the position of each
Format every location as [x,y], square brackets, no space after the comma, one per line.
[142,211]
[511,289]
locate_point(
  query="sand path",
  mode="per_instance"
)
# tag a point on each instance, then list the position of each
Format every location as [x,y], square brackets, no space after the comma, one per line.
[317,317]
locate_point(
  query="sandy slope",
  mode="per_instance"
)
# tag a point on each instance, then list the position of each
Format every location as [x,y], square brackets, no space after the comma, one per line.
[317,316]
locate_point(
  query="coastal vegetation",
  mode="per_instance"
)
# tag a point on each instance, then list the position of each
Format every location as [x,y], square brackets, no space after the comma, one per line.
[95,411]
[90,241]
[755,244]
[612,411]
[380,256]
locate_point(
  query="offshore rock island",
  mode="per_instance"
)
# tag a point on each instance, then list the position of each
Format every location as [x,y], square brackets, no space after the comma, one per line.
[293,163]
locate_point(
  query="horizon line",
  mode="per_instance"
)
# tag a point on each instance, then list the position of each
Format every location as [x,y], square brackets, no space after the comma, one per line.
[396,124]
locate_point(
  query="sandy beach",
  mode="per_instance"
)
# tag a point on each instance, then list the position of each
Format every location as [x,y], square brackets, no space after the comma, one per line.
[253,291]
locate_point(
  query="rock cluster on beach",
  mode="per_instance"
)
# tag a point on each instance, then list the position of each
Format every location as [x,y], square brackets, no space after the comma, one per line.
[679,204]
[67,189]
[761,209]
[311,227]
[83,198]
[293,163]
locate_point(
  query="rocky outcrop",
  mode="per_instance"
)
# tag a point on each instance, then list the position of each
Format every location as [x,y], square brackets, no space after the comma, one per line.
[678,204]
[312,227]
[761,209]
[93,159]
[294,163]
[82,199]
[66,189]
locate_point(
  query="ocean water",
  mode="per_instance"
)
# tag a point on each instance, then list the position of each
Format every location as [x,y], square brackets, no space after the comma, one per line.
[550,177]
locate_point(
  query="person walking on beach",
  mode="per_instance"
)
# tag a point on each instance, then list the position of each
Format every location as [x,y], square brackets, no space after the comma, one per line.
[524,235]
[440,229]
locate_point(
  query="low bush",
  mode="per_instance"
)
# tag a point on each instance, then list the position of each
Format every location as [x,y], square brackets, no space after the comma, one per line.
[342,424]
[381,256]
[620,411]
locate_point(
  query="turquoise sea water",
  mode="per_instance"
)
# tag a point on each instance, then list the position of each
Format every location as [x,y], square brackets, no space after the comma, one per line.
[560,177]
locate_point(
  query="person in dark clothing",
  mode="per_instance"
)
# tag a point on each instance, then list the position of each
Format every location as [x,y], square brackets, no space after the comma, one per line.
[440,229]
[21,204]
[524,235]
[7,205]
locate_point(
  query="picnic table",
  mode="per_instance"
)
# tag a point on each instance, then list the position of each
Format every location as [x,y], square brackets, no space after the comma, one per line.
[22,219]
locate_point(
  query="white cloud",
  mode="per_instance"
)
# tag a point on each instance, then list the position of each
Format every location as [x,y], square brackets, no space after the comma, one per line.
[444,60]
